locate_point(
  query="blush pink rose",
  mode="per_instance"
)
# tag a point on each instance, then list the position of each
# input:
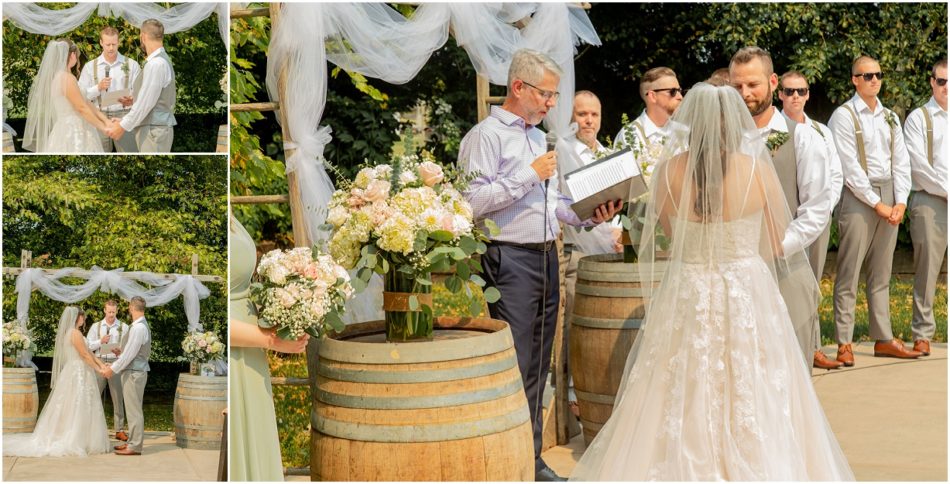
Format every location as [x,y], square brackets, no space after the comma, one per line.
[431,173]
[376,191]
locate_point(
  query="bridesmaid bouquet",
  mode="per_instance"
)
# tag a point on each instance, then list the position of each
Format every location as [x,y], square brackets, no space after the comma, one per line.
[15,340]
[202,347]
[301,292]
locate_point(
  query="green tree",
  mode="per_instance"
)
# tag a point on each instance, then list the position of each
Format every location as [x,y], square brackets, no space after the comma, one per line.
[142,214]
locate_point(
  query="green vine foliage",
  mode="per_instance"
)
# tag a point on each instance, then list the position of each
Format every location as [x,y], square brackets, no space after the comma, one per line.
[198,55]
[142,214]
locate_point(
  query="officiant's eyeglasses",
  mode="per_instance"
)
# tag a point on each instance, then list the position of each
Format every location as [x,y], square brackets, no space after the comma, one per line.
[790,91]
[940,81]
[672,90]
[546,95]
[870,75]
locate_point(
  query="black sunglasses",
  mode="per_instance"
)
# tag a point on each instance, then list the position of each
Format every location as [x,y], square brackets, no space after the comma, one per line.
[672,90]
[789,91]
[940,81]
[870,75]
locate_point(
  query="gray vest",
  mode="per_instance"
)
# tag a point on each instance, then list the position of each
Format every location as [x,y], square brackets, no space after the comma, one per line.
[140,362]
[786,167]
[163,114]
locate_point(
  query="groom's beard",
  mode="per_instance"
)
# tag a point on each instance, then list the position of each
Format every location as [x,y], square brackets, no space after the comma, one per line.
[759,107]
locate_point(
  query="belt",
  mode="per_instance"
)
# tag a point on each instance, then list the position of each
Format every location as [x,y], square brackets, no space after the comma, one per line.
[535,246]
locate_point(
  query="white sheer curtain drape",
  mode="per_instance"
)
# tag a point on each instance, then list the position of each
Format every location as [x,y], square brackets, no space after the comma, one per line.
[116,281]
[379,42]
[37,19]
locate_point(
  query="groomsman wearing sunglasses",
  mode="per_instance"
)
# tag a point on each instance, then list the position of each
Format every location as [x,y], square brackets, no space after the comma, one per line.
[660,91]
[924,134]
[876,168]
[793,93]
[800,158]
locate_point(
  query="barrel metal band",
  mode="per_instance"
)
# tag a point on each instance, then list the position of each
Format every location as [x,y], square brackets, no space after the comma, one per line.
[607,291]
[422,376]
[19,419]
[423,352]
[212,428]
[592,426]
[606,323]
[595,397]
[7,390]
[433,401]
[420,433]
[612,276]
[222,398]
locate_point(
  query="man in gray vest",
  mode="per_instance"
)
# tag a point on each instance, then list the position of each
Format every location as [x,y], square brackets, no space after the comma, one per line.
[801,162]
[924,134]
[877,176]
[153,104]
[110,72]
[132,366]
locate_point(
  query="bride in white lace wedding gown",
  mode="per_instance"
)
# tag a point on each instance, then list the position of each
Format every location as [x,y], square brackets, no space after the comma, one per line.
[715,387]
[72,421]
[59,119]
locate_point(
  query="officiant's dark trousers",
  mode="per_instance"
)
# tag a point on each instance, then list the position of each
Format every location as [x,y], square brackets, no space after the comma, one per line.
[517,272]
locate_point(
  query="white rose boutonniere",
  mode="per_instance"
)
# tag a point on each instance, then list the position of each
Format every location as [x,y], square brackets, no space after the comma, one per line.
[775,140]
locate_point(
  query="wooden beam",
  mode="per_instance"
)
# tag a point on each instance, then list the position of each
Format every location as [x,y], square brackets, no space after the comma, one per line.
[258,199]
[194,264]
[481,96]
[254,107]
[15,271]
[26,257]
[249,12]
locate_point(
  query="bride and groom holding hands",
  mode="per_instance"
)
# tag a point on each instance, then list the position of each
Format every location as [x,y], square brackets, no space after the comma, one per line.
[112,101]
[72,422]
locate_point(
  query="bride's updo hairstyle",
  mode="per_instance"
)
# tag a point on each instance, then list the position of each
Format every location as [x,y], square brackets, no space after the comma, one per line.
[73,49]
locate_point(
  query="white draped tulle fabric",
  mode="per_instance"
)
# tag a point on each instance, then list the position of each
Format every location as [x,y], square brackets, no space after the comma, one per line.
[379,42]
[37,19]
[124,284]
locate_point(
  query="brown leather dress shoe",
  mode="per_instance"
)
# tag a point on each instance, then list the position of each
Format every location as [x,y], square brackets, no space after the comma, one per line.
[127,451]
[845,355]
[121,436]
[923,346]
[121,447]
[894,349]
[825,363]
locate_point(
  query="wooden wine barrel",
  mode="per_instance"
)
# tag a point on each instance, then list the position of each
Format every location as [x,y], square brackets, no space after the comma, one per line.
[609,306]
[21,400]
[8,146]
[199,401]
[222,139]
[450,409]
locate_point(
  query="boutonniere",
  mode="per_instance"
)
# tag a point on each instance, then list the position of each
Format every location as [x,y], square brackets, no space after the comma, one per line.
[775,140]
[891,119]
[125,67]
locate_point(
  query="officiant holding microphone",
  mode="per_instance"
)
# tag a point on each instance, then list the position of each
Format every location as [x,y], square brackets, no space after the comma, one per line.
[109,73]
[102,336]
[516,188]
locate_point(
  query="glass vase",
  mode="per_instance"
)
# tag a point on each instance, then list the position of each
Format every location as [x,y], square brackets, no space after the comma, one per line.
[402,322]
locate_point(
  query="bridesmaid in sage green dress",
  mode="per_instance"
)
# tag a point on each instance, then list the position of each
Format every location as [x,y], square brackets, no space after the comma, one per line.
[255,448]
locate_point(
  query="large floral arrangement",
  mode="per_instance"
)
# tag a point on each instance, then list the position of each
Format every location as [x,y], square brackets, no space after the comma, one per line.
[16,339]
[405,220]
[302,291]
[202,347]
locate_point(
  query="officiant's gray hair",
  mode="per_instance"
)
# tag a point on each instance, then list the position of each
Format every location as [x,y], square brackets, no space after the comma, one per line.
[529,66]
[153,29]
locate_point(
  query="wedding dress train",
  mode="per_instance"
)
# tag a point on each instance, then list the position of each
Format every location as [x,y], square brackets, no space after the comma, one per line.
[72,422]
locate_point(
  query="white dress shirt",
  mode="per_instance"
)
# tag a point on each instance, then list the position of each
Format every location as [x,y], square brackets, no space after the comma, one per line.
[600,240]
[877,147]
[90,88]
[814,185]
[931,179]
[138,335]
[99,330]
[834,163]
[654,133]
[157,74]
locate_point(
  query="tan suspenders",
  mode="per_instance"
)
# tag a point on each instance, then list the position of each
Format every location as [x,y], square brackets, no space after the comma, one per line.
[859,140]
[929,122]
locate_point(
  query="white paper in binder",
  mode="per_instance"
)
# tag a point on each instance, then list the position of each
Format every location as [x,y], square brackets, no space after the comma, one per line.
[615,177]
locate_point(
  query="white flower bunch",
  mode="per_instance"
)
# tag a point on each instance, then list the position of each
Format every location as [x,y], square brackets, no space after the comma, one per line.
[15,339]
[301,292]
[202,347]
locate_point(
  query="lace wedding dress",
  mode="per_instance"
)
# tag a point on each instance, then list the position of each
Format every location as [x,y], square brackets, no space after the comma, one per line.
[72,422]
[718,389]
[70,133]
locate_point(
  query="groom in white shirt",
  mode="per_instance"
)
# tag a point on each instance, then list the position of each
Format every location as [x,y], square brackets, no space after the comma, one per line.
[132,366]
[110,331]
[153,105]
[110,72]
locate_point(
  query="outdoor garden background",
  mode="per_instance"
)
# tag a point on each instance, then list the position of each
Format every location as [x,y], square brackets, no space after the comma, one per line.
[438,106]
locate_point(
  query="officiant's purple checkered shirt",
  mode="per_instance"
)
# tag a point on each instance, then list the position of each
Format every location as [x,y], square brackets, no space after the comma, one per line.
[507,190]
